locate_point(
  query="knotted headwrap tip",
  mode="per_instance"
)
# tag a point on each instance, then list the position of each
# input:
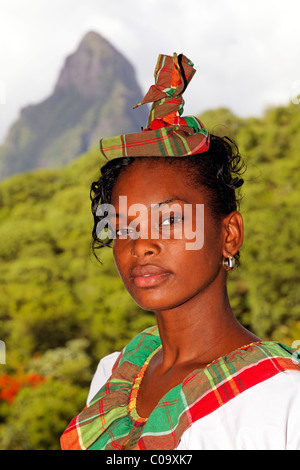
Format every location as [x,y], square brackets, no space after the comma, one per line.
[167,133]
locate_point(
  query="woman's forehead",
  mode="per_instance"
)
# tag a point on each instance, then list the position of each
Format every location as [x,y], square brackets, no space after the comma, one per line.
[155,180]
[155,168]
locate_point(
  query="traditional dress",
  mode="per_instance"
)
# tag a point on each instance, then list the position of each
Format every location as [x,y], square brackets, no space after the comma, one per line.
[248,399]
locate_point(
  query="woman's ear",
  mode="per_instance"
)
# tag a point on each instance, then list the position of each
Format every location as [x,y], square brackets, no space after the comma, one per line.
[233,233]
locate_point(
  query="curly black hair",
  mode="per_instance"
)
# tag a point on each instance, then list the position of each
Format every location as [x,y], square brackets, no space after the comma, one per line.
[219,171]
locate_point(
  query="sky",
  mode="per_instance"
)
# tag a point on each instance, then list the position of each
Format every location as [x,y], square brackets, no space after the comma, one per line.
[246,53]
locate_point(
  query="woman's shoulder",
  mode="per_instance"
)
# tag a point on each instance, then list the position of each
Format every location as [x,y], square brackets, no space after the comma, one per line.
[264,417]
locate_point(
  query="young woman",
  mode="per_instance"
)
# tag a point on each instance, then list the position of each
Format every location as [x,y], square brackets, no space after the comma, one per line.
[198,379]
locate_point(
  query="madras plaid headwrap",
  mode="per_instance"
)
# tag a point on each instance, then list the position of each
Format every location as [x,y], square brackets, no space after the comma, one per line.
[167,134]
[108,423]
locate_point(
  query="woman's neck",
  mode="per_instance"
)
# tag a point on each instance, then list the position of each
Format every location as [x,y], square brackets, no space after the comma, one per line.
[200,330]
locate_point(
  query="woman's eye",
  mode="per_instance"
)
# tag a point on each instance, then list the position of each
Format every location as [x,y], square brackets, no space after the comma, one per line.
[121,232]
[172,220]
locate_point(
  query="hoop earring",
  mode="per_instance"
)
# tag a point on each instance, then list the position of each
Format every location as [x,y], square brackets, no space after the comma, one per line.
[228,263]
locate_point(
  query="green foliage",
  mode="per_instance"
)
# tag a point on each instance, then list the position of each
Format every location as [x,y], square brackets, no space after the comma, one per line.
[265,289]
[39,414]
[61,311]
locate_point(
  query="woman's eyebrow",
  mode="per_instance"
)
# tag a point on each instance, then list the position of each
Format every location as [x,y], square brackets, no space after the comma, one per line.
[167,201]
[158,204]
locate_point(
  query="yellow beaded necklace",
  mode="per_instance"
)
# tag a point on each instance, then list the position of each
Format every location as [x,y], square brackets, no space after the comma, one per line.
[135,389]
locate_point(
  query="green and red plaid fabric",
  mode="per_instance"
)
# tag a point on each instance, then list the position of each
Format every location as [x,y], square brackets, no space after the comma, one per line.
[110,423]
[172,76]
[167,133]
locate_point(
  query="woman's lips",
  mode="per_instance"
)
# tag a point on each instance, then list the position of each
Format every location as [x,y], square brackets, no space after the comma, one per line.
[148,275]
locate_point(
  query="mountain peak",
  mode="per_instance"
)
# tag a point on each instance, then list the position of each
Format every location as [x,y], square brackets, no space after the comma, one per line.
[93,98]
[94,62]
[94,39]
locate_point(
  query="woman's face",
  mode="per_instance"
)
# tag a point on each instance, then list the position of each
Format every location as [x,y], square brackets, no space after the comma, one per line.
[157,268]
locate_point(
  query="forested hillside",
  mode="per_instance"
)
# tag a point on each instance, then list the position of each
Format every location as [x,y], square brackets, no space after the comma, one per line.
[61,311]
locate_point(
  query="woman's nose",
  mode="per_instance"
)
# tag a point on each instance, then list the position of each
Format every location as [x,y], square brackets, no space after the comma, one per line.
[144,246]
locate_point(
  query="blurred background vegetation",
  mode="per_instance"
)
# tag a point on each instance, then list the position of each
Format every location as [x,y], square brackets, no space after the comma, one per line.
[61,311]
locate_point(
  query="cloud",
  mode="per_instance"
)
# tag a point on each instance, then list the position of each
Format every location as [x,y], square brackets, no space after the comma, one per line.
[246,52]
